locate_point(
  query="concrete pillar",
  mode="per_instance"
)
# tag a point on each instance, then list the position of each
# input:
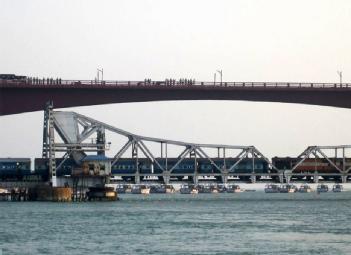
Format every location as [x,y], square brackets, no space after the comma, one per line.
[287,178]
[166,177]
[224,177]
[315,178]
[137,178]
[344,178]
[281,177]
[253,178]
[195,179]
[287,175]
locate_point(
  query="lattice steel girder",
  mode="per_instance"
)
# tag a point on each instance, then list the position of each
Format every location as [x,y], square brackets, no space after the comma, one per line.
[319,152]
[91,126]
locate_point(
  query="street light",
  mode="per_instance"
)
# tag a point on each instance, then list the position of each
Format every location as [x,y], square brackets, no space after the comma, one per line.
[221,74]
[340,76]
[102,74]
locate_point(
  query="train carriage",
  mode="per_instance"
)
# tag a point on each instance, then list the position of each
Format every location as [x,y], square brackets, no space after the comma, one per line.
[14,168]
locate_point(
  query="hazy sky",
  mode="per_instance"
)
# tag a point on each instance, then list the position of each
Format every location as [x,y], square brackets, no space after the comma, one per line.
[251,40]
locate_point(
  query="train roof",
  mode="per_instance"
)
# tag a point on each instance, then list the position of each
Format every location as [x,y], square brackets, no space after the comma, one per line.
[15,159]
[95,158]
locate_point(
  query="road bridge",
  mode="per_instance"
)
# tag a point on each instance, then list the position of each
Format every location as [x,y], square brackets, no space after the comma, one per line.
[31,95]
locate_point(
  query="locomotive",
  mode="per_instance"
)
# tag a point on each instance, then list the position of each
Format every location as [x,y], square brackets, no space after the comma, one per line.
[309,166]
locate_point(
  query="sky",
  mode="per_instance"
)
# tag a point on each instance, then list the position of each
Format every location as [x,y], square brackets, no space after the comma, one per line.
[250,40]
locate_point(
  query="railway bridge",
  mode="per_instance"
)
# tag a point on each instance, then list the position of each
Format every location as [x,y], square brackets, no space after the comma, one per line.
[142,158]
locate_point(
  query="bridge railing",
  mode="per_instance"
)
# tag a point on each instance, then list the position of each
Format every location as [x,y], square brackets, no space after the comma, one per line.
[185,83]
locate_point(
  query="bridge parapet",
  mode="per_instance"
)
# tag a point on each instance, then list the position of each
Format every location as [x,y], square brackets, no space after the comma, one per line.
[29,82]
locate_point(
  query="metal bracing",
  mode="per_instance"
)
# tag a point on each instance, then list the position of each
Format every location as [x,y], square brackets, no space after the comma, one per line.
[50,141]
[321,152]
[246,153]
[149,155]
[121,152]
[75,129]
[185,153]
[45,152]
[65,157]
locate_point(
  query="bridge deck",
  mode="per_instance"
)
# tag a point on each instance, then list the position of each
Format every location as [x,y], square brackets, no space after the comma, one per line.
[110,83]
[32,95]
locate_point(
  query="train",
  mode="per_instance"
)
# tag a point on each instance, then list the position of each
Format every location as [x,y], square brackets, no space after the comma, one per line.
[19,169]
[12,77]
[188,167]
[323,167]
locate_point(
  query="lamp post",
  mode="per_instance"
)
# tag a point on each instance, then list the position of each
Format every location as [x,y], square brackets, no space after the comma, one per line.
[221,74]
[102,73]
[340,77]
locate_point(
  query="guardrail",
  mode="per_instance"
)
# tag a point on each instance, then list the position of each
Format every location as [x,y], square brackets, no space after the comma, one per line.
[110,83]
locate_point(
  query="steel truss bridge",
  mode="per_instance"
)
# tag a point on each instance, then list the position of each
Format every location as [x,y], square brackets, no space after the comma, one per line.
[76,132]
[28,95]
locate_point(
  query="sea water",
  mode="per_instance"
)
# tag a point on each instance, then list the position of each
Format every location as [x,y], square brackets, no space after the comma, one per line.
[240,223]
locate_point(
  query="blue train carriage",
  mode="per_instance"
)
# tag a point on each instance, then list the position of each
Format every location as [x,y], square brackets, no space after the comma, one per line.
[14,169]
[127,167]
[41,167]
[245,166]
[205,166]
[259,167]
[12,77]
[185,168]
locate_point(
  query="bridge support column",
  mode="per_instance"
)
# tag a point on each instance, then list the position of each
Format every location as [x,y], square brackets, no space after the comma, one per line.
[287,175]
[100,133]
[281,177]
[166,177]
[253,178]
[137,178]
[287,178]
[224,178]
[315,178]
[195,179]
[344,178]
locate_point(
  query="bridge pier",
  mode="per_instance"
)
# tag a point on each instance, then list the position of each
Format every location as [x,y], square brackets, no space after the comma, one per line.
[344,178]
[224,178]
[287,175]
[281,176]
[195,179]
[315,178]
[137,178]
[166,177]
[253,178]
